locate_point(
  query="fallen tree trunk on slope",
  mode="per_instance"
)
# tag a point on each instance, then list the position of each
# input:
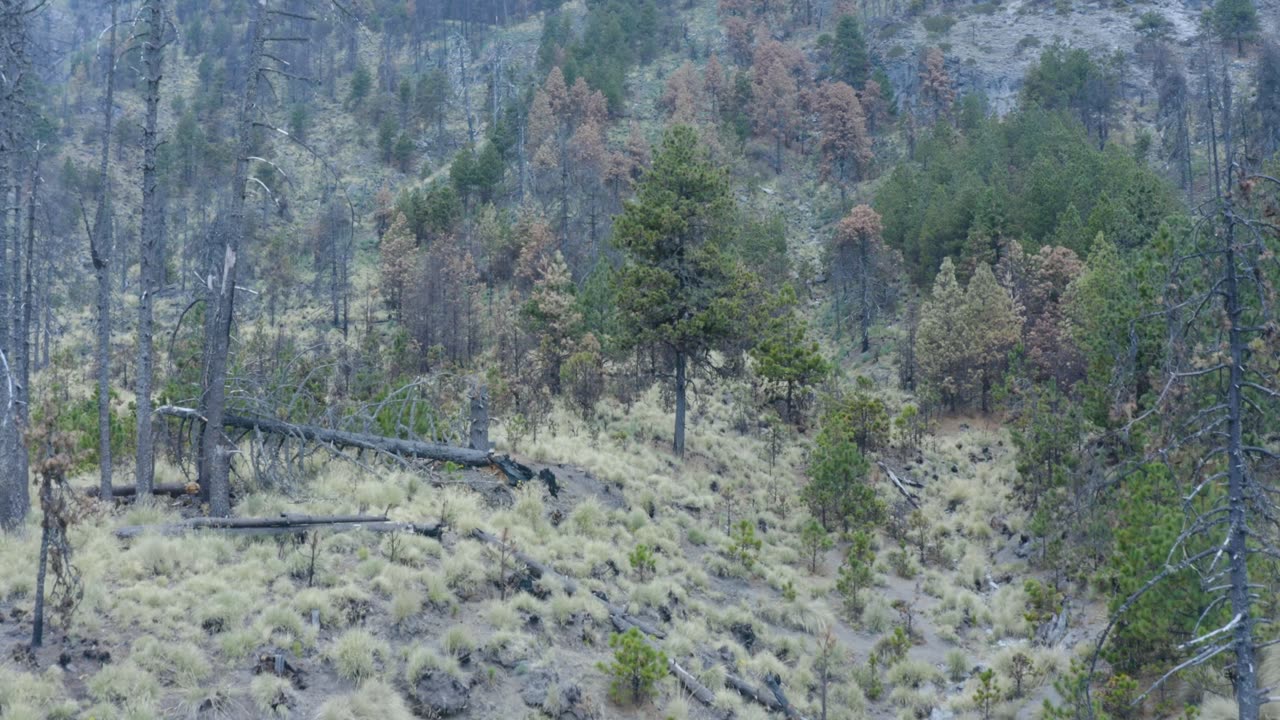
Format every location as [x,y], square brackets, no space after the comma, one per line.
[910,496]
[283,525]
[174,490]
[701,692]
[343,439]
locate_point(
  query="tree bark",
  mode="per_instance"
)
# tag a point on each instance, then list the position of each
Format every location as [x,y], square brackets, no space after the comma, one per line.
[682,387]
[149,257]
[100,242]
[15,496]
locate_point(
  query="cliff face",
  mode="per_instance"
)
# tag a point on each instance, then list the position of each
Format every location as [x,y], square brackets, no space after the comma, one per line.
[990,46]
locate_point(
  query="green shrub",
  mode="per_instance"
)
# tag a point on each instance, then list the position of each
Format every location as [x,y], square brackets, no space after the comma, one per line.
[938,24]
[635,669]
[745,546]
[642,561]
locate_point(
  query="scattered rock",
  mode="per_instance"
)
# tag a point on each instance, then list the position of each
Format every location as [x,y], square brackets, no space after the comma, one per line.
[533,689]
[437,695]
[938,713]
[745,635]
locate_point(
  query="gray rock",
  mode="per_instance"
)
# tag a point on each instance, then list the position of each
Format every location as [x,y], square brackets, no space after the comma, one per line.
[941,714]
[533,690]
[438,694]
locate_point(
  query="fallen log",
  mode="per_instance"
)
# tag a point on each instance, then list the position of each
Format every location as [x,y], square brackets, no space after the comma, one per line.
[751,692]
[283,525]
[342,439]
[536,569]
[774,683]
[174,490]
[133,531]
[911,497]
[699,691]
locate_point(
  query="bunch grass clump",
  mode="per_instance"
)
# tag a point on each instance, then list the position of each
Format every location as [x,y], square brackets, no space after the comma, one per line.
[358,656]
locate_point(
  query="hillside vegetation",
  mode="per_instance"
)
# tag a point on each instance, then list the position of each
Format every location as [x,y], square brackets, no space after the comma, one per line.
[368,359]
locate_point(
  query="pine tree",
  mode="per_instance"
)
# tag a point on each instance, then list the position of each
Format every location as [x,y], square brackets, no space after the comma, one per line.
[837,493]
[786,359]
[860,264]
[941,350]
[636,667]
[849,59]
[1235,20]
[678,291]
[845,144]
[553,318]
[399,259]
[990,329]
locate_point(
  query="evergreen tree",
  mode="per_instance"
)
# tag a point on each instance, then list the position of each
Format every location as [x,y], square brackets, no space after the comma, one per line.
[785,358]
[941,349]
[678,290]
[1235,20]
[838,493]
[849,59]
[991,329]
[399,258]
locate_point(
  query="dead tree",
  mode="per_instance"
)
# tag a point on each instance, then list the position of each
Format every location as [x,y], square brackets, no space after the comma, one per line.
[58,504]
[100,242]
[150,253]
[216,447]
[1221,399]
[341,439]
[15,498]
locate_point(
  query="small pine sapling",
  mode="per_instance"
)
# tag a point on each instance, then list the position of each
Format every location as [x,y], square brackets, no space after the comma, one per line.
[1019,668]
[856,573]
[505,552]
[826,666]
[987,694]
[636,667]
[643,562]
[745,546]
[815,540]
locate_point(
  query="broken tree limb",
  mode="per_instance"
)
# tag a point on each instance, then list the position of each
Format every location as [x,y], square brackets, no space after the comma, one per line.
[343,439]
[119,491]
[910,496]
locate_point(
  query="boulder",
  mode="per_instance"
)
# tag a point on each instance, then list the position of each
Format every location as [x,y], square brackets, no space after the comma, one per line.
[438,695]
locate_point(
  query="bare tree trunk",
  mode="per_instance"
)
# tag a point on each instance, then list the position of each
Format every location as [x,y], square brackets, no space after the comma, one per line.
[100,242]
[150,261]
[864,310]
[15,498]
[1239,487]
[215,447]
[682,387]
[28,298]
